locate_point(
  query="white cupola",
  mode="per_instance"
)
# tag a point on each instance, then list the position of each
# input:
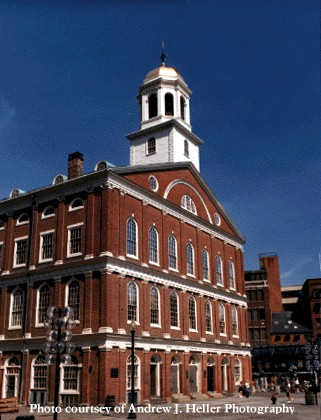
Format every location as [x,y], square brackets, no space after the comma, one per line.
[165,133]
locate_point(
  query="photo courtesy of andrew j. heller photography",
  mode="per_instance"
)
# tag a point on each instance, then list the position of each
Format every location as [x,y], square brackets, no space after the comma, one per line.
[158,210]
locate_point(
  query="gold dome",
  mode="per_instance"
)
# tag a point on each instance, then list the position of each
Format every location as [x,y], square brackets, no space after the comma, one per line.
[162,71]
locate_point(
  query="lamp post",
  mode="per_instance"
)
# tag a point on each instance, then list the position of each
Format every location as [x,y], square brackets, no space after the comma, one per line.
[58,347]
[132,413]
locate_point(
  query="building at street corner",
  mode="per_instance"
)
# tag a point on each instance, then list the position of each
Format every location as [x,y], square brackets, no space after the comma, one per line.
[148,243]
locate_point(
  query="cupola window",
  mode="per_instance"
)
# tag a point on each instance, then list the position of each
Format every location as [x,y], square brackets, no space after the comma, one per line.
[169,104]
[151,146]
[186,149]
[182,103]
[152,105]
[152,181]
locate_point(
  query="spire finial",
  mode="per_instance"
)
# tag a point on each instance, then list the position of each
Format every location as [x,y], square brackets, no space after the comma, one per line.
[163,55]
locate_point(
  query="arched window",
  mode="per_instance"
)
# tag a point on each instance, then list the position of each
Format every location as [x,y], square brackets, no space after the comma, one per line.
[132,237]
[152,105]
[189,259]
[39,373]
[151,146]
[76,204]
[16,313]
[182,103]
[70,383]
[208,317]
[11,378]
[221,317]
[74,299]
[23,219]
[172,252]
[235,330]
[186,149]
[153,245]
[219,273]
[237,372]
[154,306]
[188,204]
[43,303]
[206,275]
[169,104]
[136,373]
[132,300]
[174,309]
[49,211]
[192,313]
[231,274]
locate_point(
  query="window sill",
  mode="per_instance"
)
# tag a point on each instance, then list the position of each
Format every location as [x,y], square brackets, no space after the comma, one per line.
[153,263]
[134,257]
[39,325]
[175,328]
[209,332]
[12,328]
[235,336]
[223,335]
[190,275]
[76,208]
[22,223]
[207,280]
[220,284]
[192,330]
[155,326]
[76,254]
[45,261]
[173,269]
[47,217]
[19,265]
[136,323]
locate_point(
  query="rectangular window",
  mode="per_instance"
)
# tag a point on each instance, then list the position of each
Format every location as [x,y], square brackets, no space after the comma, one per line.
[46,246]
[70,380]
[75,240]
[40,377]
[21,246]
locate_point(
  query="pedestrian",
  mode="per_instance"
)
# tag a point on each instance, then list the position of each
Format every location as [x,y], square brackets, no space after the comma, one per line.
[241,391]
[274,398]
[248,389]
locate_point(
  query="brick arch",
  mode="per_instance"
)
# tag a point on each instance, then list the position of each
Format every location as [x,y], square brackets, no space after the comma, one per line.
[172,184]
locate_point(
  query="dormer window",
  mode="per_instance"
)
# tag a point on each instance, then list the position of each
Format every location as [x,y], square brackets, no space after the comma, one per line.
[76,204]
[186,149]
[152,105]
[188,204]
[151,146]
[169,104]
[48,212]
[182,104]
[23,219]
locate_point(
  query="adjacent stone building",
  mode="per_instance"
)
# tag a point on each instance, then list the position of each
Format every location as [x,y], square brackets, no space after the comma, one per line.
[148,243]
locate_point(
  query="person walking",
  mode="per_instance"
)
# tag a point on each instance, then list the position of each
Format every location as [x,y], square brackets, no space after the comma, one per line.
[274,398]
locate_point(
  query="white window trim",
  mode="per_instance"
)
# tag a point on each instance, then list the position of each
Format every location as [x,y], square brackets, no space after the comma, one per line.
[178,317]
[237,321]
[193,255]
[157,235]
[14,327]
[135,256]
[221,283]
[176,254]
[1,245]
[219,320]
[157,184]
[62,391]
[21,238]
[77,254]
[159,325]
[41,243]
[138,388]
[37,323]
[189,328]
[22,223]
[76,208]
[2,228]
[32,381]
[43,216]
[129,321]
[234,280]
[208,280]
[211,313]
[77,321]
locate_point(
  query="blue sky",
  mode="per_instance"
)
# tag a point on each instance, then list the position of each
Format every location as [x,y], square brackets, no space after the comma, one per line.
[70,72]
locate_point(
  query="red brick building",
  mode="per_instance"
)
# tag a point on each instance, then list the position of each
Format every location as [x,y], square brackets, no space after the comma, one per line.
[148,243]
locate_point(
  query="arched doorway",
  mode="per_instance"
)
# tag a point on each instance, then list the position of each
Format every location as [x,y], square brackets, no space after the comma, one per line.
[210,375]
[224,376]
[155,376]
[11,378]
[193,373]
[175,377]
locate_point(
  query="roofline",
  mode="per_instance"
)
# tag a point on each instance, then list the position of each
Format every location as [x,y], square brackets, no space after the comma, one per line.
[187,165]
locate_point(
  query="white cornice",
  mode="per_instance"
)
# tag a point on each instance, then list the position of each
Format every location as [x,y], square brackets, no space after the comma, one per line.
[148,344]
[161,278]
[117,182]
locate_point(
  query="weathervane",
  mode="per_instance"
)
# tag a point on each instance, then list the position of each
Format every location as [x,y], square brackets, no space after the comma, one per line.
[163,55]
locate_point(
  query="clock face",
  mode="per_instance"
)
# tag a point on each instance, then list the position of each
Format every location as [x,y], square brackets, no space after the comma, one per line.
[217,219]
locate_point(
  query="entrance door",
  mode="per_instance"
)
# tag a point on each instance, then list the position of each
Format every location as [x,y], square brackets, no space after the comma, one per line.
[11,382]
[210,378]
[174,379]
[153,380]
[193,378]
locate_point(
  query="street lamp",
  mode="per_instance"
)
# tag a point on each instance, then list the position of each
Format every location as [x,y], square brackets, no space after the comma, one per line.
[132,413]
[58,347]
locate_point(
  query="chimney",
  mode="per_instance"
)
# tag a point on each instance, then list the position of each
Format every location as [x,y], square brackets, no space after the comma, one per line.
[75,163]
